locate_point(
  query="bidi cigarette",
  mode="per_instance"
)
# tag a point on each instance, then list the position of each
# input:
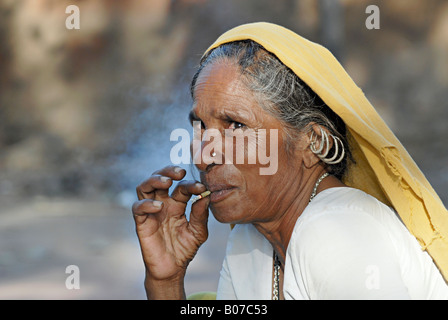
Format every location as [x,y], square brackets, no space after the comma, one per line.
[202,195]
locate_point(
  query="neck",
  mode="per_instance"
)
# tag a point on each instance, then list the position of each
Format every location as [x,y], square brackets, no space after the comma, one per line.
[279,229]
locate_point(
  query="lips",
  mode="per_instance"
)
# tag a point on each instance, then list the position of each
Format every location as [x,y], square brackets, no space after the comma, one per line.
[220,191]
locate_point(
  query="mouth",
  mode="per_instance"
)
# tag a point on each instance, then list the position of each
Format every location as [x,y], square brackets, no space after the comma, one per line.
[220,192]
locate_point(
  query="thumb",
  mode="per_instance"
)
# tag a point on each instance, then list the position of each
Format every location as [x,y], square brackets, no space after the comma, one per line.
[199,218]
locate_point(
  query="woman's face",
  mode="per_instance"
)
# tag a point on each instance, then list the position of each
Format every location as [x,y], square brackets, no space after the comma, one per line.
[240,194]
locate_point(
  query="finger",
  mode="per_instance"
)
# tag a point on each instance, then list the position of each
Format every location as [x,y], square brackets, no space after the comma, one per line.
[155,183]
[147,190]
[141,209]
[199,219]
[174,172]
[185,189]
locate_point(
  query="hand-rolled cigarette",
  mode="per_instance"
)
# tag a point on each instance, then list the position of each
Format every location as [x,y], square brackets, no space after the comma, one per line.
[202,195]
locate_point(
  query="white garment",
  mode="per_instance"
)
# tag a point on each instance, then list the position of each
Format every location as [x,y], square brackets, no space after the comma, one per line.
[345,245]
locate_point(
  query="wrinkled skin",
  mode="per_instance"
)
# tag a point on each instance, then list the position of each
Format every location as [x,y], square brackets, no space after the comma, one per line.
[239,193]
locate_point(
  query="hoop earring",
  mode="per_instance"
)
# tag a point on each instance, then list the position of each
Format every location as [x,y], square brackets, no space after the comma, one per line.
[332,160]
[324,144]
[321,144]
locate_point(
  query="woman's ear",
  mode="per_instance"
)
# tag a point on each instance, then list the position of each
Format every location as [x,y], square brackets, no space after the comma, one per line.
[309,159]
[312,136]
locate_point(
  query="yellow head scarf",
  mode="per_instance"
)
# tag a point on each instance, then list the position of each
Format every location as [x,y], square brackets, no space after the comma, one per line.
[383,167]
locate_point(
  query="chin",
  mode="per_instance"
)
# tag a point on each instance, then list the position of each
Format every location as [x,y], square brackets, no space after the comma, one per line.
[226,215]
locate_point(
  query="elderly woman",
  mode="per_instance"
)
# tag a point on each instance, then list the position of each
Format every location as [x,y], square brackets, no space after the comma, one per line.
[325,225]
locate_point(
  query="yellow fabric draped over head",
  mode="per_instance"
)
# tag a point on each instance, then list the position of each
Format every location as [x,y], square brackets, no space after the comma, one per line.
[383,168]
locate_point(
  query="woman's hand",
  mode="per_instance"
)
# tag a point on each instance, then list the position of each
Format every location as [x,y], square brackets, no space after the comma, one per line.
[167,239]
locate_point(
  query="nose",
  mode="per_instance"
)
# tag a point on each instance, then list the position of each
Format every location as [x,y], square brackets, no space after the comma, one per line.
[207,152]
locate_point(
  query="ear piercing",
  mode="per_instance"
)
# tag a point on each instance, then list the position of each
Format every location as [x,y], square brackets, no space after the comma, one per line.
[324,147]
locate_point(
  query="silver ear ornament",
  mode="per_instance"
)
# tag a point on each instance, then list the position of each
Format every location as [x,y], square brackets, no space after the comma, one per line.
[324,147]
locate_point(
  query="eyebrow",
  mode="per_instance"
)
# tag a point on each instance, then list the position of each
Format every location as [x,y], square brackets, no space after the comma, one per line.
[227,114]
[224,115]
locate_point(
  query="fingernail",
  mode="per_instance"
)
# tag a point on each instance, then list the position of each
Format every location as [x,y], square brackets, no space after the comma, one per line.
[164,179]
[178,169]
[157,203]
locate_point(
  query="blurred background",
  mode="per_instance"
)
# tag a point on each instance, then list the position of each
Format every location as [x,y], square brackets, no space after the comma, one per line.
[86,114]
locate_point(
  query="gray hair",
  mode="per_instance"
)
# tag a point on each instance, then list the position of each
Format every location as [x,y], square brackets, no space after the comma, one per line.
[281,93]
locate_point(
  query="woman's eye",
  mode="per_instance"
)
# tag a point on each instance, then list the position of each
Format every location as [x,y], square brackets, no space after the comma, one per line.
[237,125]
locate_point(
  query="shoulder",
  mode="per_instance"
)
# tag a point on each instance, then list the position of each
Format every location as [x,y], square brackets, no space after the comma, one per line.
[344,214]
[336,242]
[342,228]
